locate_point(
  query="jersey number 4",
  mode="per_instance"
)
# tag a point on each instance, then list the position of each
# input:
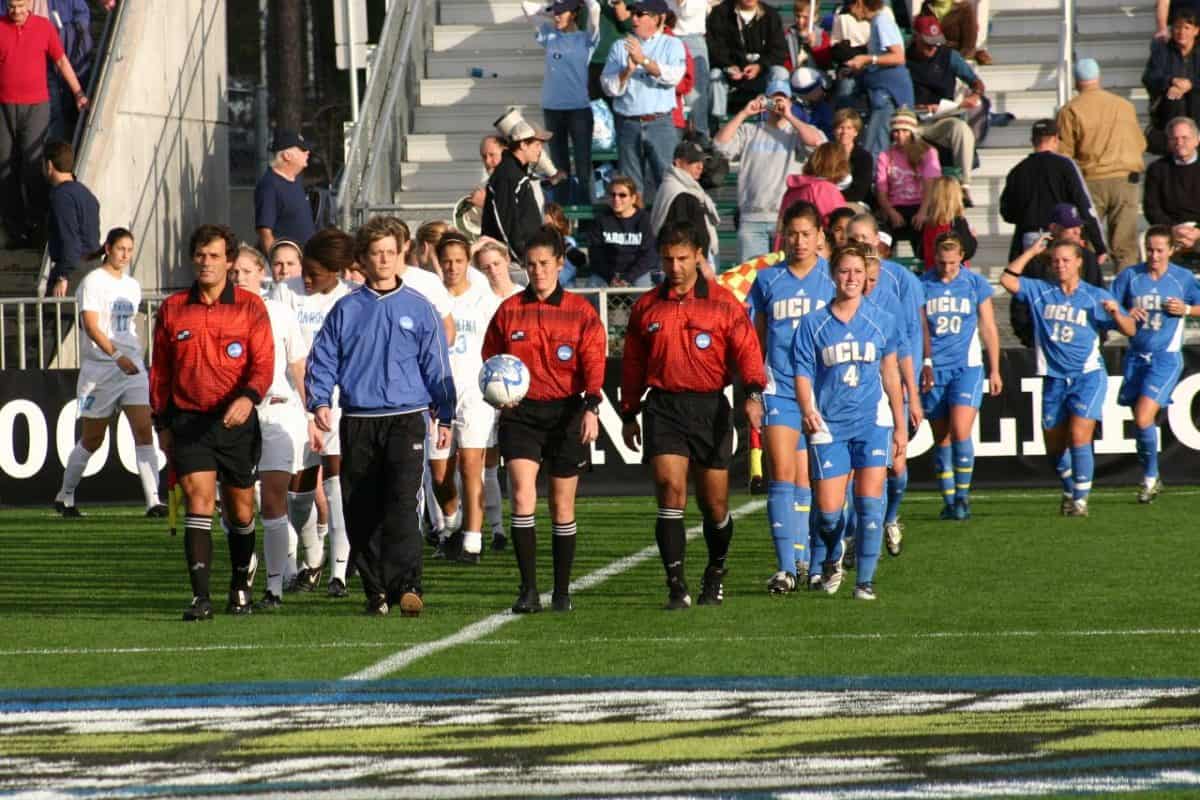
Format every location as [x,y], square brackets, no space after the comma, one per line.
[850,376]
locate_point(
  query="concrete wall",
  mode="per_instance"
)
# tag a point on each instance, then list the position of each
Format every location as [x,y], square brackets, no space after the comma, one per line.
[159,157]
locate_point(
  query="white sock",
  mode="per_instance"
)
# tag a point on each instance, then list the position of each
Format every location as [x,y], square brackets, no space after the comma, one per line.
[290,567]
[472,541]
[275,548]
[73,474]
[454,521]
[339,541]
[304,520]
[432,507]
[258,496]
[493,513]
[147,467]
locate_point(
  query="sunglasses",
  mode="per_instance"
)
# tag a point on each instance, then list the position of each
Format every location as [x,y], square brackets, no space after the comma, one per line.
[619,194]
[641,12]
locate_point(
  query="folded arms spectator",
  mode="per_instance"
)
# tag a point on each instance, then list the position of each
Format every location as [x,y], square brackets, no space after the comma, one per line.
[1172,77]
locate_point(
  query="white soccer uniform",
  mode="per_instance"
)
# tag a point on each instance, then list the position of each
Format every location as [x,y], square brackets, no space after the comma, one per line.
[429,286]
[310,311]
[280,415]
[474,419]
[102,386]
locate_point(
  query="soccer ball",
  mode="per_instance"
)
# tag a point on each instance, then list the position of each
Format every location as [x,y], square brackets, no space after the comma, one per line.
[504,380]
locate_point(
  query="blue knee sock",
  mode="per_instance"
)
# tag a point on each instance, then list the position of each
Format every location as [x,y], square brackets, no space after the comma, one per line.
[943,465]
[782,517]
[802,497]
[896,486]
[1062,467]
[964,466]
[817,551]
[850,523]
[1147,450]
[870,525]
[831,523]
[1083,464]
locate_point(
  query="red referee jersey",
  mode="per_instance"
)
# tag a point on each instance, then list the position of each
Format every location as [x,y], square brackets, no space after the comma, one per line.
[206,356]
[689,343]
[560,339]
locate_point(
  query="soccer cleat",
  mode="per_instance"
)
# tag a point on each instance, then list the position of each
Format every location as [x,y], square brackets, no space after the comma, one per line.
[561,602]
[962,509]
[468,558]
[712,587]
[678,599]
[1079,508]
[528,601]
[449,546]
[200,610]
[814,582]
[377,606]
[1148,494]
[306,580]
[269,602]
[337,588]
[893,537]
[1068,503]
[66,511]
[831,576]
[499,541]
[240,603]
[758,485]
[949,512]
[781,583]
[157,512]
[411,603]
[864,591]
[849,554]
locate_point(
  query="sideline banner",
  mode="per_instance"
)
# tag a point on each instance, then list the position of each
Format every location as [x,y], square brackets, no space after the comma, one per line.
[38,429]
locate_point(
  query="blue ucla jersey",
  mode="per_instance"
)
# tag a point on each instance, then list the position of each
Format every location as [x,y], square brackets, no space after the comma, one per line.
[842,361]
[1135,287]
[1066,328]
[783,300]
[905,288]
[952,309]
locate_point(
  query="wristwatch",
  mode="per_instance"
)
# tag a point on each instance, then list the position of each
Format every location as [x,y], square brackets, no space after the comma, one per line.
[755,396]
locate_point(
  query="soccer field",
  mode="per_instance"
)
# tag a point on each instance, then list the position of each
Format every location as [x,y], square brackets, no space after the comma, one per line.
[1018,654]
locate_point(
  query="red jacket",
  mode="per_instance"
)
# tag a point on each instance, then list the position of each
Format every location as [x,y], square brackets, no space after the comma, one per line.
[560,340]
[685,85]
[207,356]
[688,344]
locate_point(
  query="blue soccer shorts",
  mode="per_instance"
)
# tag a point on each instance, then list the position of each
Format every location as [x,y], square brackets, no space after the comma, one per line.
[1151,375]
[959,387]
[785,411]
[1080,396]
[871,448]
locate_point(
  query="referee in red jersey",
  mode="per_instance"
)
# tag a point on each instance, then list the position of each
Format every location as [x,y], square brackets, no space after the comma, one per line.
[682,341]
[559,337]
[213,363]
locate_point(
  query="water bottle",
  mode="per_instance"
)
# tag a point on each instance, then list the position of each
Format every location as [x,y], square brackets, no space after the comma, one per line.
[479,72]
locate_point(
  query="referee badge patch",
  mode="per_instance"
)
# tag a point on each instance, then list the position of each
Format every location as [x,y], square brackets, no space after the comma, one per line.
[703,341]
[234,350]
[653,327]
[564,352]
[406,323]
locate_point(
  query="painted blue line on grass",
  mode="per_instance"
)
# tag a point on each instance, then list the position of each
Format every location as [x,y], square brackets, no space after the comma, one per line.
[1083,764]
[452,690]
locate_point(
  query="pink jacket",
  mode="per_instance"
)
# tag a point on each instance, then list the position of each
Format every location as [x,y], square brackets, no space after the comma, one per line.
[818,191]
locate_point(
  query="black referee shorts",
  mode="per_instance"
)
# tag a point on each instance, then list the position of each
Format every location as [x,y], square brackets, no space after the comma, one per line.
[202,443]
[692,424]
[546,431]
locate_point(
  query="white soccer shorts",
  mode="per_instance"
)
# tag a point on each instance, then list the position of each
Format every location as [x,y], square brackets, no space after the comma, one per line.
[284,437]
[332,445]
[103,388]
[474,428]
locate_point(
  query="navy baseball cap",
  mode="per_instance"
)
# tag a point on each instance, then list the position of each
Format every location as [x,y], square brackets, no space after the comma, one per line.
[563,6]
[652,6]
[1066,215]
[285,138]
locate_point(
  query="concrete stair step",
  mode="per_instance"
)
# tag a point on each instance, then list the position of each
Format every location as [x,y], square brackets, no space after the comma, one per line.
[484,38]
[1042,103]
[507,64]
[491,12]
[477,118]
[1044,76]
[1033,50]
[19,272]
[481,91]
[1137,22]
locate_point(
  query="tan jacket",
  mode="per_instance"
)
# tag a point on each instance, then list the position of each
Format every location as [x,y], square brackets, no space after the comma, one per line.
[1101,132]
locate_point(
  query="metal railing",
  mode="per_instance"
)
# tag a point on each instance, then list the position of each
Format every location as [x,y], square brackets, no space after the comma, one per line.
[1066,58]
[371,174]
[43,332]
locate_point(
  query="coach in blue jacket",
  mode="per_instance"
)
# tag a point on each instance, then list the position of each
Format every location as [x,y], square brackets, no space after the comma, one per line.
[384,346]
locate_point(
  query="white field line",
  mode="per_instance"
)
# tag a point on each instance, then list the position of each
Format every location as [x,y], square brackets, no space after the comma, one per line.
[488,625]
[867,636]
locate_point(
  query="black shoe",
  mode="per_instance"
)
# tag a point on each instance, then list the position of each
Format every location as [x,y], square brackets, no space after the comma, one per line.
[200,610]
[377,606]
[240,603]
[337,588]
[306,580]
[758,485]
[468,558]
[678,599]
[499,541]
[528,601]
[269,602]
[433,537]
[561,602]
[712,590]
[67,512]
[449,547]
[157,512]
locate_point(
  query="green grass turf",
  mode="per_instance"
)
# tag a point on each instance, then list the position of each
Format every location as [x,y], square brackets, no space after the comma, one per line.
[1016,591]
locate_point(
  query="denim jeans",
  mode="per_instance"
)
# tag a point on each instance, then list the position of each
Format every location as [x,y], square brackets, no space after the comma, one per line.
[702,106]
[645,150]
[877,137]
[575,124]
[755,239]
